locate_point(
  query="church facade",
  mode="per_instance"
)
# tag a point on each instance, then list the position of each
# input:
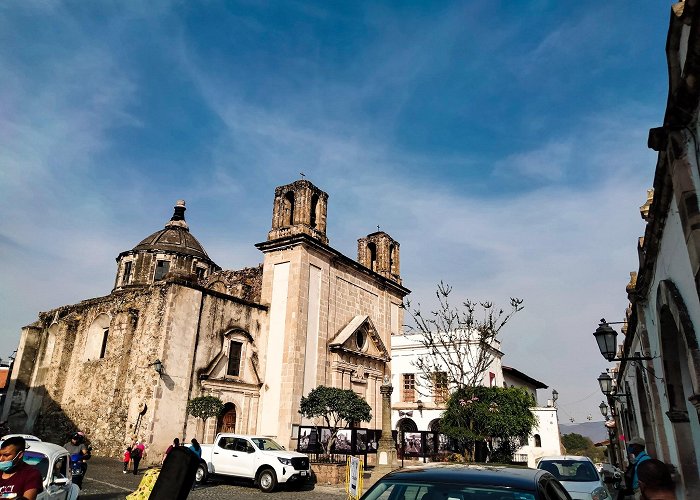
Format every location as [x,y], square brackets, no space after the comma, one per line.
[176,326]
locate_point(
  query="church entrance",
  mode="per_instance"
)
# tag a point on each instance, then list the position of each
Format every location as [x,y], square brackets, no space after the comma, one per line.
[227,420]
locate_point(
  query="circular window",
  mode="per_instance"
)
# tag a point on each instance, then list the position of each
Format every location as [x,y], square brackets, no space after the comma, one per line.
[360,339]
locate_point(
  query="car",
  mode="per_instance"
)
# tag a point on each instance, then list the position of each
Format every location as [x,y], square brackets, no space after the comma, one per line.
[467,482]
[258,458]
[27,437]
[578,475]
[53,462]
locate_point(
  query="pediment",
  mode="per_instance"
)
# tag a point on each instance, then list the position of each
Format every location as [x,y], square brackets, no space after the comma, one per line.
[360,337]
[217,368]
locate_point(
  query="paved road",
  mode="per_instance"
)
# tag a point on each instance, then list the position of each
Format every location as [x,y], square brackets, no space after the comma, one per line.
[105,481]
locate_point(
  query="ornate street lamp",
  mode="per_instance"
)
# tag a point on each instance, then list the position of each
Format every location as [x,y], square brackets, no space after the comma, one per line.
[158,366]
[605,381]
[603,409]
[555,396]
[606,338]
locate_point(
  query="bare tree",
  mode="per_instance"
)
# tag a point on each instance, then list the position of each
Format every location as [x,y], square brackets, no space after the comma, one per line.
[459,341]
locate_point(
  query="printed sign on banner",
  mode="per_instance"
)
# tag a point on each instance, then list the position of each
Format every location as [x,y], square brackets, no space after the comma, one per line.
[354,477]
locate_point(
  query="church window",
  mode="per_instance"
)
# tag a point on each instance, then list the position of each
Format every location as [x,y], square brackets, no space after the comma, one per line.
[360,338]
[234,358]
[538,441]
[392,259]
[103,349]
[314,209]
[440,387]
[126,275]
[409,387]
[201,272]
[372,256]
[162,268]
[288,212]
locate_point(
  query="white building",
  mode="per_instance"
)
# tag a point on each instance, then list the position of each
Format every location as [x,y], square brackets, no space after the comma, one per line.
[416,407]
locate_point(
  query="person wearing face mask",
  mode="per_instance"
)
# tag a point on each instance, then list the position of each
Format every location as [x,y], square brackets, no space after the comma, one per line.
[636,453]
[18,480]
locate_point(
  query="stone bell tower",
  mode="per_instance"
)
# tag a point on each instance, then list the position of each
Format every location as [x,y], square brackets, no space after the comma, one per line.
[299,207]
[380,253]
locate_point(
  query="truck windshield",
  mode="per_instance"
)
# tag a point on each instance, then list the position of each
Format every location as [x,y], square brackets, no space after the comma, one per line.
[266,444]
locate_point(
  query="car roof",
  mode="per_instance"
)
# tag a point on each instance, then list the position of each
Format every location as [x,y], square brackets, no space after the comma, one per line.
[48,449]
[572,458]
[27,437]
[502,475]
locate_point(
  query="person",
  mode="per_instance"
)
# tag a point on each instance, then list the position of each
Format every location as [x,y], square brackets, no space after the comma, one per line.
[126,459]
[77,446]
[17,477]
[196,449]
[636,453]
[138,450]
[176,443]
[655,481]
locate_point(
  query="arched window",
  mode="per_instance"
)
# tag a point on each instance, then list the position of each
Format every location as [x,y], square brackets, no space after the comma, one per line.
[372,256]
[314,210]
[288,209]
[392,259]
[97,337]
[538,441]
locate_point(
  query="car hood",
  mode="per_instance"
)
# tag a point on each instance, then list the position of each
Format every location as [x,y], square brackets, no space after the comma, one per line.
[580,487]
[283,454]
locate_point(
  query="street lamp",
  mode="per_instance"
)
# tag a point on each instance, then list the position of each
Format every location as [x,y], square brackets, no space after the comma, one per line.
[606,382]
[157,366]
[603,409]
[555,396]
[606,338]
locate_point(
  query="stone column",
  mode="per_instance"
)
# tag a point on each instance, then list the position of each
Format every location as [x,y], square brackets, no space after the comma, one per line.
[386,450]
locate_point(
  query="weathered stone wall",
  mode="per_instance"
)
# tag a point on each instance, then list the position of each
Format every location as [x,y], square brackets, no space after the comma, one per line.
[243,283]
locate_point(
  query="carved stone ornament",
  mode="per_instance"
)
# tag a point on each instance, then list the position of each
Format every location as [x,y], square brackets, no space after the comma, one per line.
[677,416]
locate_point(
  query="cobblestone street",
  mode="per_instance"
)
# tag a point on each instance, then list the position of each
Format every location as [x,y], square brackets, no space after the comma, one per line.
[105,481]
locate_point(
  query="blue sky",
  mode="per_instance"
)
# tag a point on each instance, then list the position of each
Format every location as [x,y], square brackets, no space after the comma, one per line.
[502,143]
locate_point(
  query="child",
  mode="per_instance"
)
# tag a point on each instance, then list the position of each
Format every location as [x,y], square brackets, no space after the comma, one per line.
[127,458]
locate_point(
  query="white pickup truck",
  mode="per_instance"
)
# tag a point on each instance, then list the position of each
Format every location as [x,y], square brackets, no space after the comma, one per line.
[253,457]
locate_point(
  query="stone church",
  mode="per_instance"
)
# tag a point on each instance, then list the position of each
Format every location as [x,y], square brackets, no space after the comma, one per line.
[176,326]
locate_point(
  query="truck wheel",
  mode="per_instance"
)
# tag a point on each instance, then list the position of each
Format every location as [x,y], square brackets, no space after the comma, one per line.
[201,475]
[267,480]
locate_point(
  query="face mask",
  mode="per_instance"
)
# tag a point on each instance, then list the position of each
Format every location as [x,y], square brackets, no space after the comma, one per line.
[633,458]
[6,466]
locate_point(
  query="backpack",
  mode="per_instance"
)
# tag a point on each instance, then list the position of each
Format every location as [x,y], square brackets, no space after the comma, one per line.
[135,453]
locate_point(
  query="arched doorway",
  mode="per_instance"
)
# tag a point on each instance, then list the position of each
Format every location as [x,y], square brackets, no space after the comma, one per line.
[403,427]
[227,420]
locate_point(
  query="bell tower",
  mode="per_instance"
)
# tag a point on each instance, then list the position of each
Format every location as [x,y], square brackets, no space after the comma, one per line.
[299,208]
[379,252]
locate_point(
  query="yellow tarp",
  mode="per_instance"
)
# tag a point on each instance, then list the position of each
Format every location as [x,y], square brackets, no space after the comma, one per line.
[145,486]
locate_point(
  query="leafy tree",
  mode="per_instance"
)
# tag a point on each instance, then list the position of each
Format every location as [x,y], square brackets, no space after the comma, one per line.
[576,444]
[334,408]
[459,340]
[499,417]
[205,407]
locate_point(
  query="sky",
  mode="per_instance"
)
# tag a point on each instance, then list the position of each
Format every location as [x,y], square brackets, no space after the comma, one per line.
[501,143]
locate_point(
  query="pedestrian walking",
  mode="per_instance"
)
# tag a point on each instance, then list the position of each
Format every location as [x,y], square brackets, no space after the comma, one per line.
[137,452]
[636,454]
[176,443]
[127,459]
[196,448]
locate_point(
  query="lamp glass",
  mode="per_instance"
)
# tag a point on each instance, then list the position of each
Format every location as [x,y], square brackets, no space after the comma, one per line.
[603,409]
[606,338]
[555,395]
[605,381]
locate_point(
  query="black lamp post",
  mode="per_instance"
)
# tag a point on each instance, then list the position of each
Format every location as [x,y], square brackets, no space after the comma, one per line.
[158,366]
[603,409]
[606,382]
[606,338]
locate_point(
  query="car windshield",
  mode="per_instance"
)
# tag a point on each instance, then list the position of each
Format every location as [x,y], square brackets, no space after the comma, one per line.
[266,444]
[570,470]
[402,490]
[38,460]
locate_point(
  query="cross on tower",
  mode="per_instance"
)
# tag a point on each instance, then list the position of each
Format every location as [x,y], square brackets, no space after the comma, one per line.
[377,227]
[303,175]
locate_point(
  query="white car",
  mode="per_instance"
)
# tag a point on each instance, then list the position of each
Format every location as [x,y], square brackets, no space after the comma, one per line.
[53,461]
[578,475]
[253,457]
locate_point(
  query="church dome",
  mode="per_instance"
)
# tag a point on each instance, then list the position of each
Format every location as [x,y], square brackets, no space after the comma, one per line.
[174,237]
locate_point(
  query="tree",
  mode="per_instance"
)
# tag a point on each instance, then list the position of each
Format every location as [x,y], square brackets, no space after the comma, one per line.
[205,407]
[576,444]
[499,417]
[459,341]
[334,408]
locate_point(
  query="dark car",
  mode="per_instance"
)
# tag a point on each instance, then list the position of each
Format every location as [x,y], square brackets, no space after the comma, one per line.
[467,482]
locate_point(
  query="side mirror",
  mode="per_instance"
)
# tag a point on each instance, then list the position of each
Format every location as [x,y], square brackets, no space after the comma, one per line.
[60,481]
